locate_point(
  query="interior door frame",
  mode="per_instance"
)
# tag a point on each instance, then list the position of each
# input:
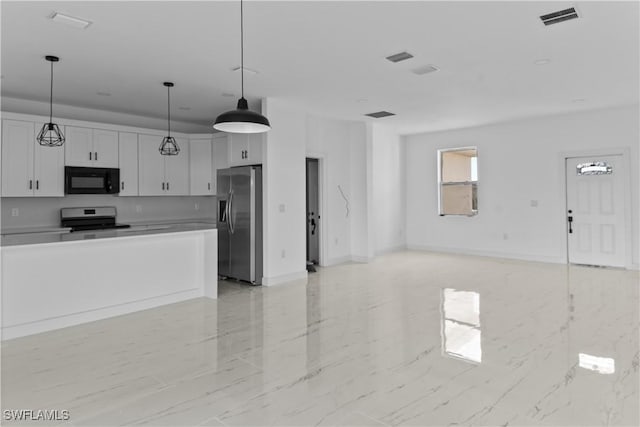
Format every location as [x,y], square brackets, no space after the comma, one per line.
[625,153]
[322,197]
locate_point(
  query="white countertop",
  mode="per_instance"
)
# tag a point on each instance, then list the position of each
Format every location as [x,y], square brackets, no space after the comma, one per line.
[43,235]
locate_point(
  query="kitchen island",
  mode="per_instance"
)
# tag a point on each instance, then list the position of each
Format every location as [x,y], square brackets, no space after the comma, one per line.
[53,280]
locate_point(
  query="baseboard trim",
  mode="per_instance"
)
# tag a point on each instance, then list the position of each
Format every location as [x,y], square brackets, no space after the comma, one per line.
[24,329]
[391,250]
[505,255]
[336,261]
[285,278]
[362,259]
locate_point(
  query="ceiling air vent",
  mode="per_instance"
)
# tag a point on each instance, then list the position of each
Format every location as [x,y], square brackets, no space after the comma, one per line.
[380,114]
[402,56]
[557,17]
[425,70]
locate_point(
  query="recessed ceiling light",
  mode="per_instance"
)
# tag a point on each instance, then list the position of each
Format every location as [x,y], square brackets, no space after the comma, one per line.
[578,100]
[401,56]
[362,100]
[184,108]
[70,21]
[380,114]
[246,70]
[103,93]
[426,69]
[543,61]
[228,95]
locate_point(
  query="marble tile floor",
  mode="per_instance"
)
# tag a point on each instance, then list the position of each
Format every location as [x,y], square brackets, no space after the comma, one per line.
[413,338]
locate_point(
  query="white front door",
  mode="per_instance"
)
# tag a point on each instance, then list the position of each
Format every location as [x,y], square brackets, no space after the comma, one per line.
[595,210]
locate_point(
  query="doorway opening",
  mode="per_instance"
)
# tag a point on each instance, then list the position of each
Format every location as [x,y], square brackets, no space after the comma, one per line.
[313,213]
[595,210]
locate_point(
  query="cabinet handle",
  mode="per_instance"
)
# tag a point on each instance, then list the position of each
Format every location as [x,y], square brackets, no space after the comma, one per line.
[89,155]
[122,185]
[163,186]
[30,184]
[167,186]
[95,156]
[37,184]
[208,186]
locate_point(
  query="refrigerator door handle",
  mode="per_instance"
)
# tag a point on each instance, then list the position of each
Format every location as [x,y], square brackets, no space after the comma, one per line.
[230,214]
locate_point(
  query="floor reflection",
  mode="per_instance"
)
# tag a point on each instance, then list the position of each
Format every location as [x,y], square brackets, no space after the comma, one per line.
[460,325]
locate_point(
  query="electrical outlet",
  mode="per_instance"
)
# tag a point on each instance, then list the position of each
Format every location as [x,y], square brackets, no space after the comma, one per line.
[281,207]
[197,206]
[283,254]
[534,203]
[336,240]
[138,208]
[15,212]
[505,236]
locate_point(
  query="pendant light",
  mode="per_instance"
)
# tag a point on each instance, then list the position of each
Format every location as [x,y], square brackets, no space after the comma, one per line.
[169,146]
[50,135]
[242,120]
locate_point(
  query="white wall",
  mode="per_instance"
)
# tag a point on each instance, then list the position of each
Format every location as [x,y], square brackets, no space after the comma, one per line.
[517,162]
[341,148]
[388,181]
[284,194]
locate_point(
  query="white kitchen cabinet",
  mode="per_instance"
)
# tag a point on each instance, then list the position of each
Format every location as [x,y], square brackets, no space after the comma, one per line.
[177,170]
[29,169]
[201,167]
[245,149]
[91,147]
[128,162]
[160,175]
[220,155]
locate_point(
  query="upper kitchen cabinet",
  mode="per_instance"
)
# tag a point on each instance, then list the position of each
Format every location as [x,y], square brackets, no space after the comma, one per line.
[220,155]
[245,148]
[160,175]
[201,166]
[128,161]
[91,147]
[29,169]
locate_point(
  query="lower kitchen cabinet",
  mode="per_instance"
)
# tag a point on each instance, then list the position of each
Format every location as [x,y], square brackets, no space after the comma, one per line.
[29,169]
[160,175]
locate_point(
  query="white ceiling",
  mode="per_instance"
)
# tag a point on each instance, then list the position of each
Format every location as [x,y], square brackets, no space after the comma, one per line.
[328,57]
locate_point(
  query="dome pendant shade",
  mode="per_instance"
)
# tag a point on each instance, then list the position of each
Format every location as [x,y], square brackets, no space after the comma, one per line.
[242,120]
[169,147]
[50,135]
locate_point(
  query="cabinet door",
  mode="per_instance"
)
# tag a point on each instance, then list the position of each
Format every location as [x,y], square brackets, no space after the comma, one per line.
[18,140]
[78,146]
[105,148]
[238,149]
[177,170]
[48,171]
[200,167]
[220,156]
[128,162]
[151,180]
[255,148]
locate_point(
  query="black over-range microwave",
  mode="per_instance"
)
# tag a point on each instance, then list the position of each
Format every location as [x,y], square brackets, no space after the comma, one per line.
[83,180]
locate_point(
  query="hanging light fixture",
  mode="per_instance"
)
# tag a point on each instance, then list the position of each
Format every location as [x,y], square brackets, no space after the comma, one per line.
[50,135]
[169,146]
[242,120]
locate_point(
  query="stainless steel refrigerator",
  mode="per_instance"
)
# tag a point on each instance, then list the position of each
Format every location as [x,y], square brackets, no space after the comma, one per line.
[240,223]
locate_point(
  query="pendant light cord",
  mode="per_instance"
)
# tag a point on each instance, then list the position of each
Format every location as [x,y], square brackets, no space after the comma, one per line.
[241,49]
[51,96]
[169,111]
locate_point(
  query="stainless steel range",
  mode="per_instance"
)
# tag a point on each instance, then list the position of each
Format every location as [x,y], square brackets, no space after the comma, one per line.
[82,219]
